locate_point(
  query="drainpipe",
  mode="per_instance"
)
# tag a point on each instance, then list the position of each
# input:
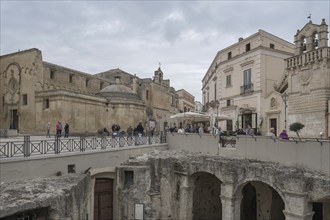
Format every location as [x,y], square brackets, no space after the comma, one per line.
[19,100]
[327,124]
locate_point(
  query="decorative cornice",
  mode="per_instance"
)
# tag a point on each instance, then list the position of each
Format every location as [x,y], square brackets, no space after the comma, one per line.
[230,69]
[247,63]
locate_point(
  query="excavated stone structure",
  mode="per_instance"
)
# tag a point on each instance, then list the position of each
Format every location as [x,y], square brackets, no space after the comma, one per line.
[56,197]
[185,185]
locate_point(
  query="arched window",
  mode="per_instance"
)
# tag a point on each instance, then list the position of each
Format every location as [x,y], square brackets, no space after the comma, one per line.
[315,40]
[303,44]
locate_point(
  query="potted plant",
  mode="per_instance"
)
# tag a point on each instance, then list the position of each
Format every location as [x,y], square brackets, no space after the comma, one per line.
[296,127]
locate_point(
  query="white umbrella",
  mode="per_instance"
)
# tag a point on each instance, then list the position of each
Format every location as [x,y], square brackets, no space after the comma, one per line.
[191,115]
[222,117]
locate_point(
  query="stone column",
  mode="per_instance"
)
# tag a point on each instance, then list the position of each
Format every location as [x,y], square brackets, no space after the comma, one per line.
[186,197]
[297,206]
[230,203]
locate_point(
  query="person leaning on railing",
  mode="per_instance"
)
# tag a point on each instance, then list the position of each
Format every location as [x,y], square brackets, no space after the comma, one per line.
[129,132]
[284,135]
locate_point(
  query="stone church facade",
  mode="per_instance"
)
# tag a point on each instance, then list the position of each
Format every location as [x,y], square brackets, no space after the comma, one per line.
[308,76]
[34,92]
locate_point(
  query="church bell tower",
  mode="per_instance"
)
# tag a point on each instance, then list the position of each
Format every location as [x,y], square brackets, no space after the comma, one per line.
[309,80]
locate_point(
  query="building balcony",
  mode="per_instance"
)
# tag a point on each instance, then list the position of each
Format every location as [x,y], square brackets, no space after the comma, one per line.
[308,57]
[248,88]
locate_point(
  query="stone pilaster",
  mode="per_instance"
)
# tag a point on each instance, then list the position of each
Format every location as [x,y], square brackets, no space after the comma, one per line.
[186,198]
[297,206]
[230,202]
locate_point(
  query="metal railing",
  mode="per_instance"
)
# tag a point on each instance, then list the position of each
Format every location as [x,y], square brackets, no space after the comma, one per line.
[246,88]
[28,147]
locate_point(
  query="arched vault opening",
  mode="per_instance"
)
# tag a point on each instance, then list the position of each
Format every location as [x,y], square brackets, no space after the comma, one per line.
[206,197]
[260,201]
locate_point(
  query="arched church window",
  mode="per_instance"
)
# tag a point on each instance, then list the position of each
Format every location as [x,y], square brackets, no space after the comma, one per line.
[303,44]
[315,40]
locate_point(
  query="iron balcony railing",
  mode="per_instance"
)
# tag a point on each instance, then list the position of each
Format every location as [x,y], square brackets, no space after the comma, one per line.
[248,88]
[28,147]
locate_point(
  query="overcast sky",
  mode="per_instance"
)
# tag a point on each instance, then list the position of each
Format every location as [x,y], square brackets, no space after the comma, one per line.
[135,36]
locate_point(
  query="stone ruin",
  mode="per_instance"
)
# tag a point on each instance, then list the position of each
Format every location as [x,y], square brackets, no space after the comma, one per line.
[56,197]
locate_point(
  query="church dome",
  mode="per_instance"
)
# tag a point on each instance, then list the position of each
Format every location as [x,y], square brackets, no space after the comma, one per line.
[116,88]
[119,93]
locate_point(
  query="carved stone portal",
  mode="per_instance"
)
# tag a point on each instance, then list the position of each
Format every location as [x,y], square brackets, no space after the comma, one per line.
[13,72]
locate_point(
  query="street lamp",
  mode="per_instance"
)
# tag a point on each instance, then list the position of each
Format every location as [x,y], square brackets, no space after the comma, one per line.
[285,97]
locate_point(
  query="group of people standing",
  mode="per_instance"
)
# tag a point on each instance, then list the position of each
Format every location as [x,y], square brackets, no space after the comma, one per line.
[58,128]
[283,134]
[115,129]
[189,129]
[138,130]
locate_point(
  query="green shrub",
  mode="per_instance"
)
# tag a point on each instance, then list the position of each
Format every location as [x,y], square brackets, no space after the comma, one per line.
[296,127]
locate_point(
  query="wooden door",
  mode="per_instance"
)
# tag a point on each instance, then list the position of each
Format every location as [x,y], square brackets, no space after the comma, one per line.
[103,199]
[273,124]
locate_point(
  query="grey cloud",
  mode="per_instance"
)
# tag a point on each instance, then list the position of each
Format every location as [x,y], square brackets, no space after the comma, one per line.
[94,36]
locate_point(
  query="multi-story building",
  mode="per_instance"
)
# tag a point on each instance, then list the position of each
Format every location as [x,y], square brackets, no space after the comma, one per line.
[241,76]
[186,101]
[198,106]
[34,92]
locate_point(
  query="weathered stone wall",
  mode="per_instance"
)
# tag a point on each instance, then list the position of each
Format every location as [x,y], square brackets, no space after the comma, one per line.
[58,93]
[309,154]
[64,197]
[25,68]
[165,182]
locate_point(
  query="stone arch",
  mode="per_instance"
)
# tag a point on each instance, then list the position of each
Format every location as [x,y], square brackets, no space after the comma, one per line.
[303,43]
[206,190]
[51,86]
[260,200]
[315,40]
[16,65]
[46,86]
[39,86]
